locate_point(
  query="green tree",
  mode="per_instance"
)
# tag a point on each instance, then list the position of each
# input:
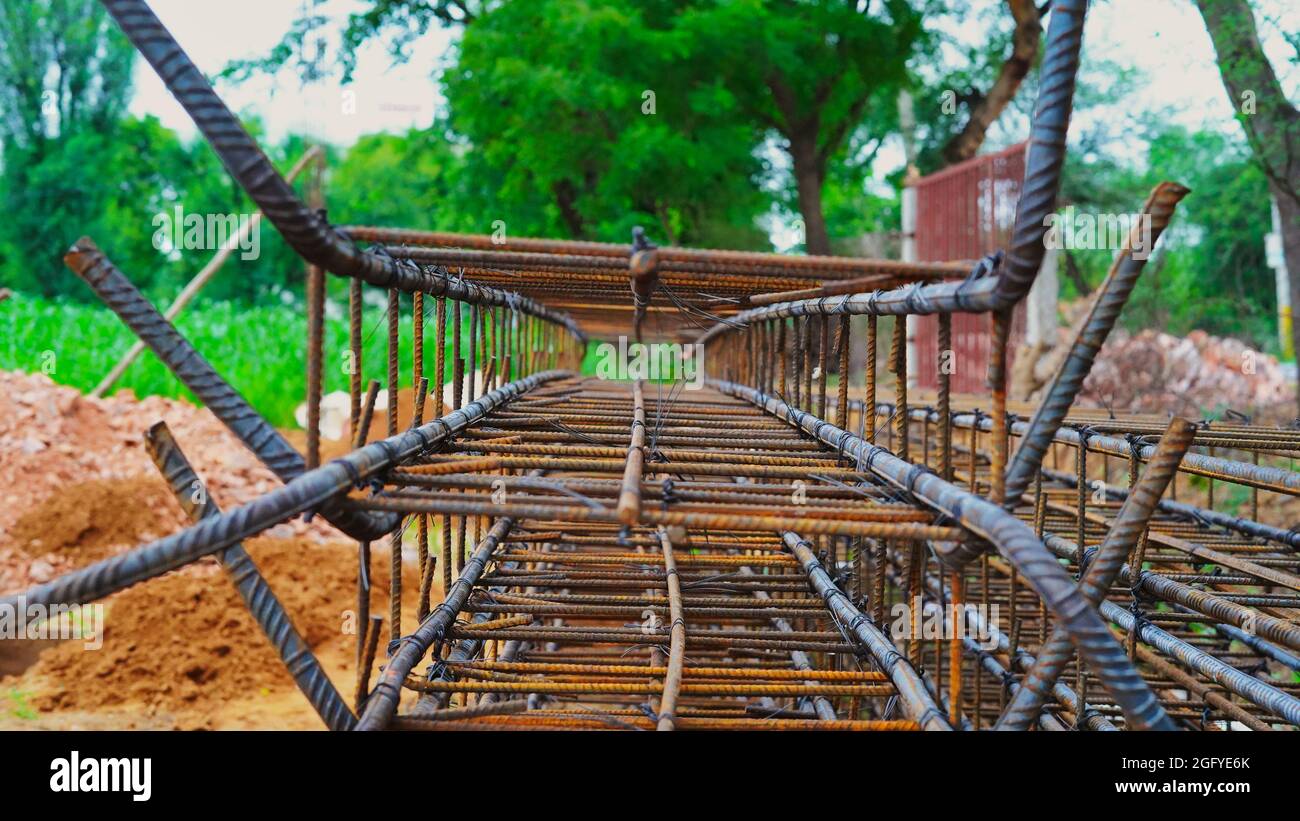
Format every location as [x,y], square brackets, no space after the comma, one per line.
[821,76]
[64,82]
[1270,121]
[556,94]
[594,105]
[1209,271]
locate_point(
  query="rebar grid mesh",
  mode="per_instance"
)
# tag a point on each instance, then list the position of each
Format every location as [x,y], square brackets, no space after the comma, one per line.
[791,546]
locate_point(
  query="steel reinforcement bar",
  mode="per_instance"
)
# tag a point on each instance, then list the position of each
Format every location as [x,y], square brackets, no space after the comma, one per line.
[252,587]
[308,492]
[175,351]
[306,230]
[1105,566]
[1007,534]
[1106,306]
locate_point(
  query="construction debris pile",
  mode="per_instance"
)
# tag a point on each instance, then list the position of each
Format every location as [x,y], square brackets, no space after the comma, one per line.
[1195,375]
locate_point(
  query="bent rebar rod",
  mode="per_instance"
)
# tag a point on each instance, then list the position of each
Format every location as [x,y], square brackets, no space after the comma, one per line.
[307,231]
[1012,537]
[1043,162]
[1100,575]
[1045,156]
[1105,310]
[307,492]
[917,702]
[384,698]
[252,587]
[1282,705]
[196,373]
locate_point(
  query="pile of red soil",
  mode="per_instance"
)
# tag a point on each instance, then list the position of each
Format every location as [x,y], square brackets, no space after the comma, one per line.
[87,520]
[182,650]
[74,474]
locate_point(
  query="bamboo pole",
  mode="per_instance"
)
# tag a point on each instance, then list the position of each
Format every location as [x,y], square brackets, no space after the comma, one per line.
[202,277]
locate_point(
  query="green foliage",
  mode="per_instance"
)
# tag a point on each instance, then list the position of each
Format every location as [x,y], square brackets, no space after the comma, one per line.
[592,121]
[583,119]
[551,131]
[1210,272]
[246,345]
[20,705]
[412,180]
[64,68]
[64,82]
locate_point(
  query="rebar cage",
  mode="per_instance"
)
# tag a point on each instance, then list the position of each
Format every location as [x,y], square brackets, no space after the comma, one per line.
[785,544]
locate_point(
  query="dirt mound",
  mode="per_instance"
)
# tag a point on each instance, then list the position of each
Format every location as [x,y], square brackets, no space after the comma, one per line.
[1193,375]
[83,522]
[55,444]
[1154,372]
[183,651]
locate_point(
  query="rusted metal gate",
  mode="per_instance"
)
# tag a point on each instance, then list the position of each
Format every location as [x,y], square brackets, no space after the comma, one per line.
[964,212]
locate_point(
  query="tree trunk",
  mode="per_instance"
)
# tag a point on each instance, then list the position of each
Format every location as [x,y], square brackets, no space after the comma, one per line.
[566,200]
[989,107]
[1271,123]
[1288,212]
[809,174]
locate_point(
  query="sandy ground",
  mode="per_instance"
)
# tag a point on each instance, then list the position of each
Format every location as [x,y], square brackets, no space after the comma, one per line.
[182,652]
[179,651]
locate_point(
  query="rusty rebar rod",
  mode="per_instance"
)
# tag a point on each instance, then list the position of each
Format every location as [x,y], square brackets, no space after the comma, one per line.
[1102,570]
[252,587]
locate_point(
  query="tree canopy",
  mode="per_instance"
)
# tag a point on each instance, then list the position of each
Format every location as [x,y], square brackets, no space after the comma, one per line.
[583,118]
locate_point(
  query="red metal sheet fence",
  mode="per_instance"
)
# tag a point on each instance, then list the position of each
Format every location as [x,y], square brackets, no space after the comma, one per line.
[962,213]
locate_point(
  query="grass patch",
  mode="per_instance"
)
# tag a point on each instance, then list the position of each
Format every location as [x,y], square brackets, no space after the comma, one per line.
[260,350]
[19,707]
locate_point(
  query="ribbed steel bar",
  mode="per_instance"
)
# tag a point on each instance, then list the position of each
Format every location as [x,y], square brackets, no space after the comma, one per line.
[307,231]
[249,582]
[175,351]
[629,499]
[309,491]
[653,568]
[1043,164]
[1279,703]
[1264,477]
[1107,304]
[917,700]
[1102,570]
[382,704]
[1010,536]
[1045,156]
[455,250]
[672,685]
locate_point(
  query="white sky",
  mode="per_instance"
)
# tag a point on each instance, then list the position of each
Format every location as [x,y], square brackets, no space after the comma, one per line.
[387,97]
